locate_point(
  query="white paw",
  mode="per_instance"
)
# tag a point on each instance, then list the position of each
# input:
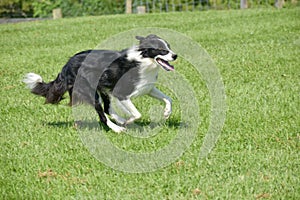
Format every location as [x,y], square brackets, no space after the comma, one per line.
[130,121]
[133,118]
[115,127]
[118,129]
[167,112]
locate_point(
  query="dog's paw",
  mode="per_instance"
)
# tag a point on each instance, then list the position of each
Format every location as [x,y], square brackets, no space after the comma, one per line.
[119,129]
[167,112]
[132,119]
[129,121]
[168,108]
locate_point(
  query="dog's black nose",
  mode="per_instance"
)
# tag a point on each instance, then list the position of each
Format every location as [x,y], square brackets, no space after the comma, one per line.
[174,56]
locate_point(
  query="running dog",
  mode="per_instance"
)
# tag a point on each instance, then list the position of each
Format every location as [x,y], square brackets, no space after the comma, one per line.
[105,74]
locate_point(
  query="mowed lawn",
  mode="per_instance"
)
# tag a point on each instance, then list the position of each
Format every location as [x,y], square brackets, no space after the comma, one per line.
[256,156]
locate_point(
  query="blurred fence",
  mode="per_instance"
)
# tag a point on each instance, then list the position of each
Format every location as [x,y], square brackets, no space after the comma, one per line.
[193,5]
[72,8]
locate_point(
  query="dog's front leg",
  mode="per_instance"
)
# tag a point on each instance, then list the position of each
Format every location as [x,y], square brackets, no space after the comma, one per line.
[156,93]
[135,114]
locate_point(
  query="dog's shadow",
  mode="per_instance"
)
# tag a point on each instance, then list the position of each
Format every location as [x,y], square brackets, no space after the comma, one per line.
[92,125]
[61,124]
[172,123]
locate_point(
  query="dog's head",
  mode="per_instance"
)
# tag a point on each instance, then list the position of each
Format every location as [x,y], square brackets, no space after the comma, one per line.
[158,49]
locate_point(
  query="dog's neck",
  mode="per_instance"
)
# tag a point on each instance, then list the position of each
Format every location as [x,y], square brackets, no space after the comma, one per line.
[135,55]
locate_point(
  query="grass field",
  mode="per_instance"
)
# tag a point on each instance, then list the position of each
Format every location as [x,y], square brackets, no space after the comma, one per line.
[256,157]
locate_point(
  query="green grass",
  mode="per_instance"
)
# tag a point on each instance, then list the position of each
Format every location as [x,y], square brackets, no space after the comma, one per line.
[257,154]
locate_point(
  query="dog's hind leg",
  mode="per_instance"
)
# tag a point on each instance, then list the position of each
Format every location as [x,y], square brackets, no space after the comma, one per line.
[106,102]
[70,91]
[104,118]
[108,109]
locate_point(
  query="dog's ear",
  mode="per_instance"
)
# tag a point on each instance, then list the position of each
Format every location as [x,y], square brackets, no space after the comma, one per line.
[152,36]
[140,38]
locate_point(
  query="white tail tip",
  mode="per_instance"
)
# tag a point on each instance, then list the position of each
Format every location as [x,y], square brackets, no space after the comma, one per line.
[32,79]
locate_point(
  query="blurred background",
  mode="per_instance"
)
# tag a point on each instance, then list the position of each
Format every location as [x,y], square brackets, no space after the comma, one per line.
[73,8]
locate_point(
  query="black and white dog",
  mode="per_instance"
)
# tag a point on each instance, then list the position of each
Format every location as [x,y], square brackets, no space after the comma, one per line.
[110,74]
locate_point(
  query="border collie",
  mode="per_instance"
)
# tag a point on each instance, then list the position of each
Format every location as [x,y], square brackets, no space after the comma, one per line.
[105,74]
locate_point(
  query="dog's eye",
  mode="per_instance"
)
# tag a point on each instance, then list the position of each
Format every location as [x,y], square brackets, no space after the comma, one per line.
[162,51]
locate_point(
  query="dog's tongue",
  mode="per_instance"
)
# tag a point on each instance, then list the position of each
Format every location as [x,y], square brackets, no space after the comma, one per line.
[165,64]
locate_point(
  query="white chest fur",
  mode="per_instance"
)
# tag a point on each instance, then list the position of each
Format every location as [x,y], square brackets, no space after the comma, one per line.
[148,76]
[148,73]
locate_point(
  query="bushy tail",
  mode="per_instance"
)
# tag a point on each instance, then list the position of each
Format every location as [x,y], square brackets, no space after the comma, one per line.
[52,91]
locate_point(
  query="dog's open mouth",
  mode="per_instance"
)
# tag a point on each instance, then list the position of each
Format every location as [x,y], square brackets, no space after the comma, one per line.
[165,64]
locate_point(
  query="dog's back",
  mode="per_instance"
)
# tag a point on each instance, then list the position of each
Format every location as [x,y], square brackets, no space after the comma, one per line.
[107,66]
